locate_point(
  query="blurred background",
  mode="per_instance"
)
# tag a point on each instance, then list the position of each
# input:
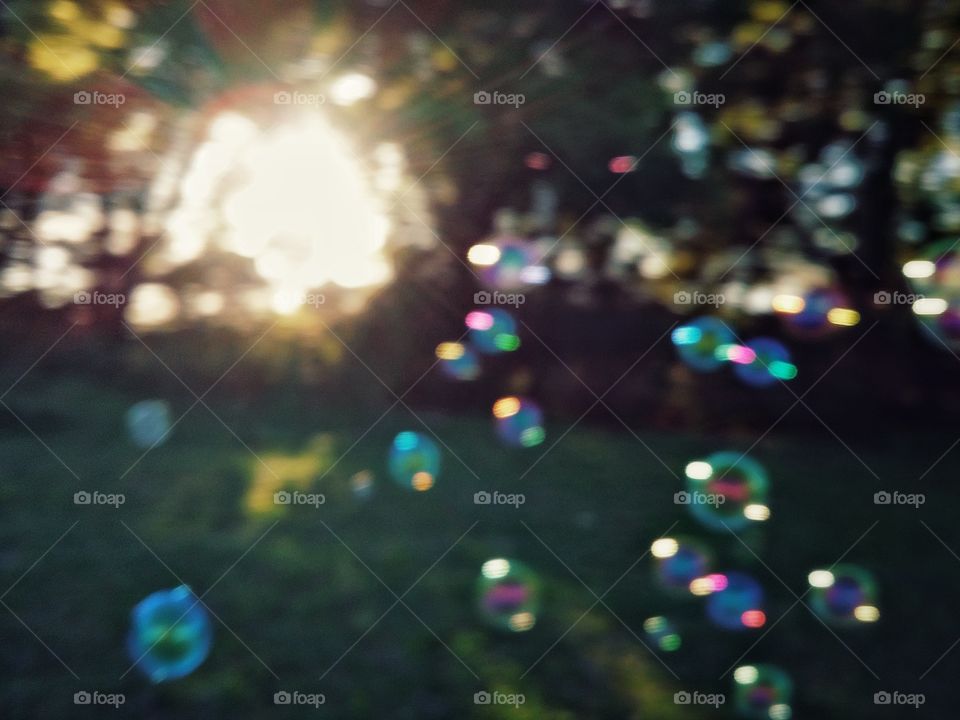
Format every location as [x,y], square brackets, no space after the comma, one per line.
[438,359]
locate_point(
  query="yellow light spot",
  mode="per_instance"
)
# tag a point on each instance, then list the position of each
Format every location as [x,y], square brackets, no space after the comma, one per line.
[780,711]
[930,306]
[919,269]
[506,407]
[701,586]
[746,675]
[758,513]
[866,613]
[495,569]
[664,548]
[521,622]
[699,470]
[821,579]
[422,481]
[450,351]
[483,255]
[64,11]
[789,304]
[843,317]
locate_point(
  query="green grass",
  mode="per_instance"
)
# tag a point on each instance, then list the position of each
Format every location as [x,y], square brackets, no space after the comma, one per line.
[299,599]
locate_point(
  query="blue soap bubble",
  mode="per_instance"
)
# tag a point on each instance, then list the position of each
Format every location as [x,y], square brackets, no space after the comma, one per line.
[762,362]
[698,341]
[148,423]
[414,461]
[170,634]
[492,331]
[519,421]
[736,602]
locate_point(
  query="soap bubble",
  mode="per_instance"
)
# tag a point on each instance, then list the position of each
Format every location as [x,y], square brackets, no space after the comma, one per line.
[728,490]
[492,331]
[762,692]
[362,485]
[844,595]
[679,561]
[519,421]
[148,423]
[698,341]
[170,634]
[414,461]
[458,361]
[507,263]
[738,604]
[662,633]
[509,595]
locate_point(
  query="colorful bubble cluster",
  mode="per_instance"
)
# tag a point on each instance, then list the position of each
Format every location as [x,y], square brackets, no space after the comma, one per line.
[662,633]
[736,603]
[762,692]
[707,343]
[170,634]
[519,422]
[728,490]
[509,595]
[844,595]
[680,561]
[148,423]
[414,461]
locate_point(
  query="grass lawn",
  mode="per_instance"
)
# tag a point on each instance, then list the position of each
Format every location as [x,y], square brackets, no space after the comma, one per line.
[297,589]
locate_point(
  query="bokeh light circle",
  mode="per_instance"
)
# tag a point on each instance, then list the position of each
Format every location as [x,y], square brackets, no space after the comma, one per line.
[492,331]
[662,633]
[458,361]
[149,423]
[762,362]
[679,561]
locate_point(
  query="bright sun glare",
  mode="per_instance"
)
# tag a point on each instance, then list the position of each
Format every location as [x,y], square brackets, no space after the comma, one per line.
[292,197]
